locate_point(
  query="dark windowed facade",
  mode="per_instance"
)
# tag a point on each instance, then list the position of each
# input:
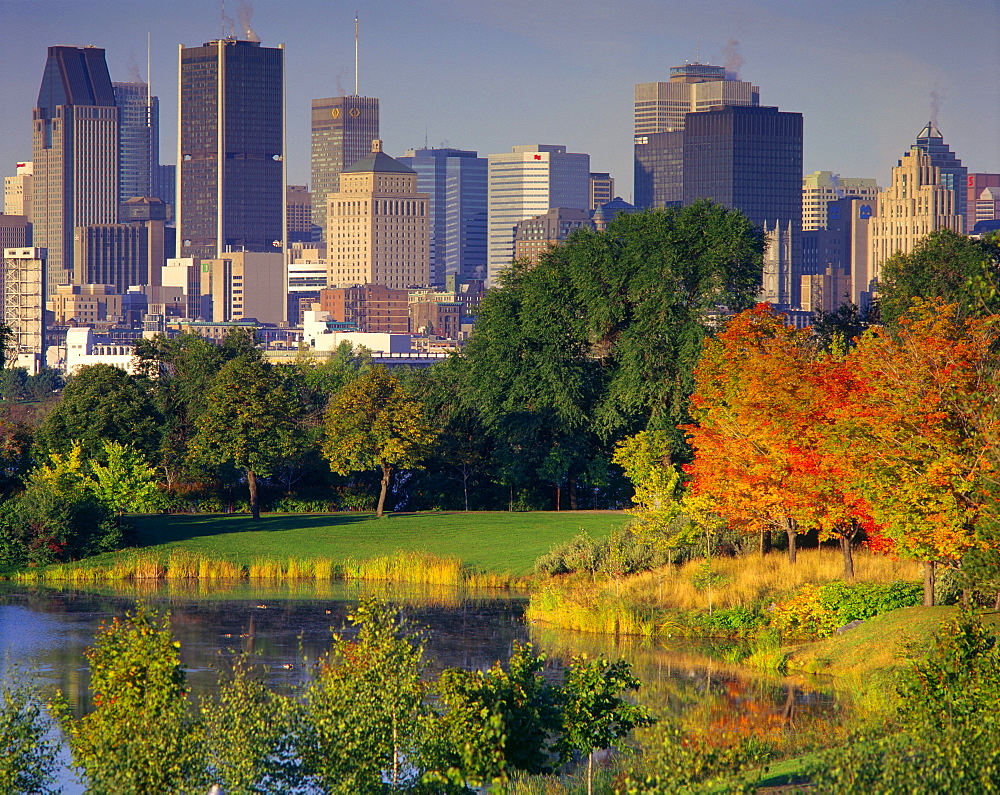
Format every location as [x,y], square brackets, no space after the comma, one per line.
[138,141]
[659,169]
[231,156]
[953,174]
[456,180]
[747,158]
[343,129]
[75,151]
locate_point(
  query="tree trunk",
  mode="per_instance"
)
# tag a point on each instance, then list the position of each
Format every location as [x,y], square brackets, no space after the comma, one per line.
[252,483]
[845,548]
[465,490]
[928,583]
[590,772]
[574,503]
[790,530]
[765,541]
[558,495]
[386,475]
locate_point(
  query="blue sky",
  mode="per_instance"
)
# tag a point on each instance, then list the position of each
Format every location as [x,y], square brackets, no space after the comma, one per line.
[490,75]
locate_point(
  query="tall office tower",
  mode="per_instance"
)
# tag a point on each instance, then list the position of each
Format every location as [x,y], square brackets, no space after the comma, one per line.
[138,140]
[602,189]
[24,291]
[379,225]
[822,187]
[534,236]
[343,129]
[456,180]
[165,186]
[75,153]
[528,181]
[954,175]
[660,113]
[917,203]
[17,191]
[243,284]
[750,159]
[128,254]
[15,232]
[976,183]
[843,257]
[231,153]
[298,214]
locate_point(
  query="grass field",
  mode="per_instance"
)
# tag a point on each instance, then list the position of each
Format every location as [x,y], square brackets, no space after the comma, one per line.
[500,542]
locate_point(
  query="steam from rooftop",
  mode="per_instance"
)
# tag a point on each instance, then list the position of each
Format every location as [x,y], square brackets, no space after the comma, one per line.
[732,60]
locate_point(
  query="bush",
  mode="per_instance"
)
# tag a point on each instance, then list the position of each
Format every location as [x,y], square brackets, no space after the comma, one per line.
[28,760]
[621,554]
[817,611]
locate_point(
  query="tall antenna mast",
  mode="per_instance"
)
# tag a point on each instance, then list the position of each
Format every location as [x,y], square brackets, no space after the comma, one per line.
[355,53]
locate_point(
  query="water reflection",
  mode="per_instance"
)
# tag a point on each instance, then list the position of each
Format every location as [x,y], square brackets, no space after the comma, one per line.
[286,627]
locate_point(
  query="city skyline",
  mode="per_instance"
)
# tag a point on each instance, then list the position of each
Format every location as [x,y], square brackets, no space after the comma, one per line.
[866,76]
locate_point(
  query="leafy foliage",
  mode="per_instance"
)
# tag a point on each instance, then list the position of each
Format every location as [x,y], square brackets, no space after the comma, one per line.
[372,423]
[142,735]
[28,756]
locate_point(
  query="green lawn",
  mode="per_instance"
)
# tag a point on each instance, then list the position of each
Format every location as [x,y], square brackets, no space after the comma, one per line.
[491,542]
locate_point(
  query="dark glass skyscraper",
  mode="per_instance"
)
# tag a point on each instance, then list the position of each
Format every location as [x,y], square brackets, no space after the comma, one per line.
[659,169]
[231,190]
[953,174]
[456,180]
[343,129]
[138,141]
[75,151]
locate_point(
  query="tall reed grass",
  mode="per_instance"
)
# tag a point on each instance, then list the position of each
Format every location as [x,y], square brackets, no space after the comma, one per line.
[181,565]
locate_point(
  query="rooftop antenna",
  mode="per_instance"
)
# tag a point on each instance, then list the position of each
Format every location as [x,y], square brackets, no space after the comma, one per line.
[355,53]
[223,20]
[697,52]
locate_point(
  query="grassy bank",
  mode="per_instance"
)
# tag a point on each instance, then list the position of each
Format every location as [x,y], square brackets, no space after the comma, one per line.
[724,598]
[427,548]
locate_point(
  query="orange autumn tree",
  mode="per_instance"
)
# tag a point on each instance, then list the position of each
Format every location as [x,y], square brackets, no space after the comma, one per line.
[912,439]
[762,416]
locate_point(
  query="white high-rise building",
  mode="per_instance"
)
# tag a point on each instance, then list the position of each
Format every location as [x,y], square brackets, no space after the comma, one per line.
[526,182]
[822,187]
[17,191]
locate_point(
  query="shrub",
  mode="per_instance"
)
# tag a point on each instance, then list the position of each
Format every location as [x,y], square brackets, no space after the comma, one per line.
[621,554]
[28,760]
[868,599]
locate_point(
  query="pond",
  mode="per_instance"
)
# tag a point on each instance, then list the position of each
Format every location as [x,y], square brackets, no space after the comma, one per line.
[46,631]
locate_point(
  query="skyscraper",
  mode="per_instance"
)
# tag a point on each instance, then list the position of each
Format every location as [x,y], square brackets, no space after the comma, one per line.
[749,158]
[343,129]
[17,191]
[917,203]
[75,153]
[526,182]
[456,180]
[822,187]
[954,175]
[231,153]
[660,113]
[138,140]
[379,225]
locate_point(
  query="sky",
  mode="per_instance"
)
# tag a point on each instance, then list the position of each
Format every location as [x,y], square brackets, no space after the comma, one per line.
[471,74]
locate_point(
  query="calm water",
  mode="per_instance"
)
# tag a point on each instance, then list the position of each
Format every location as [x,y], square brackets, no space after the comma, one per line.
[46,631]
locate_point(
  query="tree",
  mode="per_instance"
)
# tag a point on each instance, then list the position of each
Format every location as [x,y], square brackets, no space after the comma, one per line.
[594,713]
[918,433]
[102,403]
[372,423]
[141,735]
[364,704]
[250,421]
[947,266]
[126,483]
[28,755]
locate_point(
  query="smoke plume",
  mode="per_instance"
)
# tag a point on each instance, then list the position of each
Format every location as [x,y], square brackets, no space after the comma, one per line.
[134,75]
[733,61]
[245,12]
[936,99]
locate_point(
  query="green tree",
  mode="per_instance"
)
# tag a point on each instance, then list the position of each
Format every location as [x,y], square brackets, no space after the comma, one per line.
[594,713]
[372,423]
[102,403]
[250,736]
[945,265]
[58,516]
[364,705]
[125,483]
[251,421]
[141,736]
[28,755]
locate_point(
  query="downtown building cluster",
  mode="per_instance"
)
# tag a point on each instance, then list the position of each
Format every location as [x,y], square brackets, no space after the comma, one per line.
[102,243]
